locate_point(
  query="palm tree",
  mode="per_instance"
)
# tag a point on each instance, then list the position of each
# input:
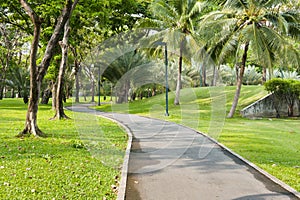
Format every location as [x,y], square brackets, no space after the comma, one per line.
[176,20]
[122,65]
[261,27]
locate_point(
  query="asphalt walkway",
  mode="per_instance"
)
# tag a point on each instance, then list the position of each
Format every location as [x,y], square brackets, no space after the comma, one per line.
[169,161]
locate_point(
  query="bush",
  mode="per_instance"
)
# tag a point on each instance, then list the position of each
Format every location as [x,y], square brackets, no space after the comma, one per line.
[284,89]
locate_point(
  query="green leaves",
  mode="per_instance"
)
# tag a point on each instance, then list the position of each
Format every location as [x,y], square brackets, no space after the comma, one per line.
[285,91]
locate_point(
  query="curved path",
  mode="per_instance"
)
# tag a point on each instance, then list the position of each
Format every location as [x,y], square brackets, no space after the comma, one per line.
[169,161]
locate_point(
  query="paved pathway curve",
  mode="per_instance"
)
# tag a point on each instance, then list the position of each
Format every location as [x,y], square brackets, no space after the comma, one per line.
[169,162]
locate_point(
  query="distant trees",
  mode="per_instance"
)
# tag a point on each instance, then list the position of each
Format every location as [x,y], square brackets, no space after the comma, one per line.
[121,71]
[10,51]
[18,79]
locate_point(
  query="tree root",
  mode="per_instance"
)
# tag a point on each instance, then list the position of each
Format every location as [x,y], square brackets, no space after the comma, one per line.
[63,116]
[27,133]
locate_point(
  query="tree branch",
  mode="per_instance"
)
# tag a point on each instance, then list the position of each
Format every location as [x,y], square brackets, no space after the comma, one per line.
[65,15]
[34,18]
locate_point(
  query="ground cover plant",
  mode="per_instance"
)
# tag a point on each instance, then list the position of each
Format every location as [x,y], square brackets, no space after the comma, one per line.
[66,164]
[272,144]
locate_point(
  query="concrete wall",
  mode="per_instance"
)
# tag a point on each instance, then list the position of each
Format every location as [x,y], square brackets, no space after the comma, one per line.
[265,108]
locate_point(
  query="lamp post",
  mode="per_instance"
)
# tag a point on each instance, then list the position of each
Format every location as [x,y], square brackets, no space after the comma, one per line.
[166,74]
[99,84]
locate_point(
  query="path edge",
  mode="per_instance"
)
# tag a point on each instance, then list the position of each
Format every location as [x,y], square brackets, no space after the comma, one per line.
[247,162]
[124,172]
[125,165]
[250,164]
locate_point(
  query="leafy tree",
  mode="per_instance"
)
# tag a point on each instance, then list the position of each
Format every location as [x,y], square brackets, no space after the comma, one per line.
[259,26]
[37,72]
[59,110]
[10,48]
[18,78]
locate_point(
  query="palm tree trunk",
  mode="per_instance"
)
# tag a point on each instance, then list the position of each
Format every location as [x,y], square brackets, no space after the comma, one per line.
[239,82]
[264,75]
[215,76]
[179,85]
[204,75]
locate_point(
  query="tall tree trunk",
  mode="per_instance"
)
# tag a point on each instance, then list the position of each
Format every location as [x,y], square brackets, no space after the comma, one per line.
[93,90]
[59,109]
[2,81]
[1,90]
[1,84]
[122,92]
[37,73]
[31,126]
[179,85]
[54,89]
[264,75]
[239,82]
[204,75]
[77,89]
[76,69]
[111,92]
[215,76]
[46,95]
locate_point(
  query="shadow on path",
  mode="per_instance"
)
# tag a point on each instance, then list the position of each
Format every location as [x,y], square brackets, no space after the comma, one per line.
[169,161]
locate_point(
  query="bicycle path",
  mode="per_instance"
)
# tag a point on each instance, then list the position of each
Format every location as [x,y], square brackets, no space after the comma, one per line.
[168,161]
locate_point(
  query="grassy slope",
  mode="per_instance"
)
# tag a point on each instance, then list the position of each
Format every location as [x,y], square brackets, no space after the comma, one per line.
[272,144]
[59,166]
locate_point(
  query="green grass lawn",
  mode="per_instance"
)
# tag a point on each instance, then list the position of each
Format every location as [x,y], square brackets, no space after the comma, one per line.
[80,158]
[272,144]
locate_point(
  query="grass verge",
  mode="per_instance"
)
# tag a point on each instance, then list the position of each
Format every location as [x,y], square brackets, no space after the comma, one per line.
[69,164]
[272,144]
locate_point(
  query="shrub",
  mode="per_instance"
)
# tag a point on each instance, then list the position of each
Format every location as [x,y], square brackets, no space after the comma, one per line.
[284,89]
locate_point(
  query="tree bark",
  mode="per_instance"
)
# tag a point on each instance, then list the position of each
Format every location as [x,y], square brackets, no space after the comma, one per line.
[93,90]
[123,92]
[76,69]
[59,110]
[46,96]
[179,85]
[2,80]
[111,92]
[37,73]
[204,84]
[215,76]
[54,86]
[31,126]
[264,75]
[77,88]
[239,82]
